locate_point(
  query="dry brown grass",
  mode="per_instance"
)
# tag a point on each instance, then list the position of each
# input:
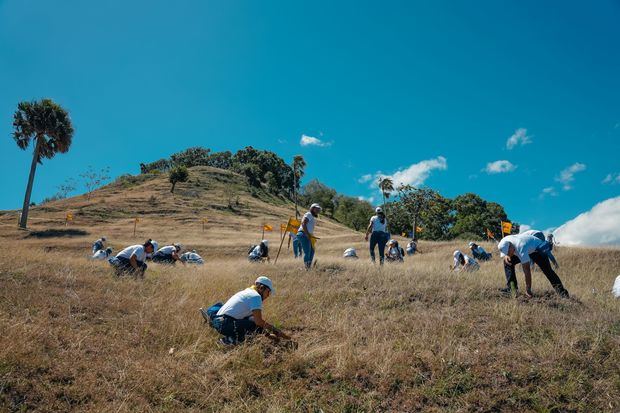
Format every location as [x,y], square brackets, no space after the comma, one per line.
[399,338]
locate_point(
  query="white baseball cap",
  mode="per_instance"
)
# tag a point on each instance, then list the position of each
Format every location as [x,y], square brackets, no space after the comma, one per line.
[267,283]
[265,242]
[378,209]
[317,206]
[471,243]
[456,253]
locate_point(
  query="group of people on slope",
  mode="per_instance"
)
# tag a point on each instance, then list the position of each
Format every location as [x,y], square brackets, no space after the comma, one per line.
[132,259]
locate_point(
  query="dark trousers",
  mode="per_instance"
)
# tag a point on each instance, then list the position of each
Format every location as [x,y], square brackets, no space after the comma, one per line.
[237,329]
[378,238]
[542,261]
[163,259]
[123,266]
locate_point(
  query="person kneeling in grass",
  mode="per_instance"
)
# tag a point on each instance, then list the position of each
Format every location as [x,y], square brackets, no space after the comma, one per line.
[260,252]
[102,254]
[130,261]
[463,262]
[242,314]
[168,255]
[525,248]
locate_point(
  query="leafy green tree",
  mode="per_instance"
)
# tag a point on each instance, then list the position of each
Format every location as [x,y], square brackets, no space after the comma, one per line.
[436,219]
[414,201]
[272,183]
[299,166]
[178,174]
[161,165]
[49,127]
[386,186]
[315,191]
[222,160]
[352,212]
[474,215]
[252,173]
[195,156]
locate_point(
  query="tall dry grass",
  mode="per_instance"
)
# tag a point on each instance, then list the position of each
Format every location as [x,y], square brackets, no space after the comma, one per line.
[398,338]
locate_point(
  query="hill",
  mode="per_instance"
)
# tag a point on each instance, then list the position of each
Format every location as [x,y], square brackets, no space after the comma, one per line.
[399,338]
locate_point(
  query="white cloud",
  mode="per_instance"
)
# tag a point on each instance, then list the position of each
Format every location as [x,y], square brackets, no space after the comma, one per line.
[365,178]
[499,167]
[312,141]
[612,179]
[550,190]
[523,228]
[520,137]
[370,199]
[598,226]
[566,176]
[417,173]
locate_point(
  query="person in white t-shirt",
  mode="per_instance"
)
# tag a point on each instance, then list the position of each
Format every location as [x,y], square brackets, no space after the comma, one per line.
[350,253]
[242,314]
[524,249]
[394,253]
[102,254]
[379,235]
[168,254]
[192,258]
[131,259]
[305,234]
[412,247]
[260,252]
[616,288]
[463,262]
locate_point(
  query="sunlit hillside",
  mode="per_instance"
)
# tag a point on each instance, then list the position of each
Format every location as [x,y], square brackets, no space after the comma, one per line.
[410,337]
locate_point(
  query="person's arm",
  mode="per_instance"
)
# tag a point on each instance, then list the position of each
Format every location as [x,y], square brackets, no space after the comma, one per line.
[528,278]
[368,230]
[176,257]
[258,320]
[133,260]
[304,228]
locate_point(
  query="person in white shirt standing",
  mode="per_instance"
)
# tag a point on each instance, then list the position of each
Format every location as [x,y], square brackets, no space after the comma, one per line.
[168,254]
[242,314]
[305,234]
[131,260]
[379,235]
[524,249]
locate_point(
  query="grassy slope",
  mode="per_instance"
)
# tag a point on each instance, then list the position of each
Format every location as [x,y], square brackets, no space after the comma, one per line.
[402,338]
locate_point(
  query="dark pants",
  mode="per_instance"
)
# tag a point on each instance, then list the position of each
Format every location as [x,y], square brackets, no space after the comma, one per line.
[236,329]
[542,261]
[123,266]
[163,259]
[378,238]
[481,256]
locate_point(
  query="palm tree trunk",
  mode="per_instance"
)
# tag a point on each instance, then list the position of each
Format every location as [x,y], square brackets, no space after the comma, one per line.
[415,227]
[172,189]
[33,167]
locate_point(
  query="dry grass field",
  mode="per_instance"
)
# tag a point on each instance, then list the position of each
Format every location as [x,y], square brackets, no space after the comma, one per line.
[411,337]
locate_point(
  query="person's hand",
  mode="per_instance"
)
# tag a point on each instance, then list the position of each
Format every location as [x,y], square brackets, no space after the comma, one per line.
[366,237]
[507,260]
[557,266]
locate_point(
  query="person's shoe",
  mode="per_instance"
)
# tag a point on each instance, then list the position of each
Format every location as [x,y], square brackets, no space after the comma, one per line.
[205,315]
[563,292]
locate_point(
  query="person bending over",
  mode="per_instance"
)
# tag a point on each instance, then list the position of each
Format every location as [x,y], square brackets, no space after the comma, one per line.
[168,254]
[260,252]
[130,261]
[463,262]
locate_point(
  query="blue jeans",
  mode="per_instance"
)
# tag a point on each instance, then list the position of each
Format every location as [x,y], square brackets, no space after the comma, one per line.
[378,238]
[297,247]
[236,329]
[306,246]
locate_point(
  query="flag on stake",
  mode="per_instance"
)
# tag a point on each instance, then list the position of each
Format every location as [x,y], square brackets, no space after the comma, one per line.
[267,227]
[292,226]
[506,228]
[419,229]
[490,234]
[69,216]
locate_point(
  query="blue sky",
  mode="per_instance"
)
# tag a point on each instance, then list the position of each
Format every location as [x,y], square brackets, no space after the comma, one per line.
[429,92]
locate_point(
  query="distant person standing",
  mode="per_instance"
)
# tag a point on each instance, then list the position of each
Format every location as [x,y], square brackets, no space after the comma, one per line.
[99,245]
[379,236]
[524,249]
[305,234]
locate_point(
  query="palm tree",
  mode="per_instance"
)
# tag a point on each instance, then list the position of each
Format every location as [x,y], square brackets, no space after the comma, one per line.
[387,186]
[298,172]
[49,127]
